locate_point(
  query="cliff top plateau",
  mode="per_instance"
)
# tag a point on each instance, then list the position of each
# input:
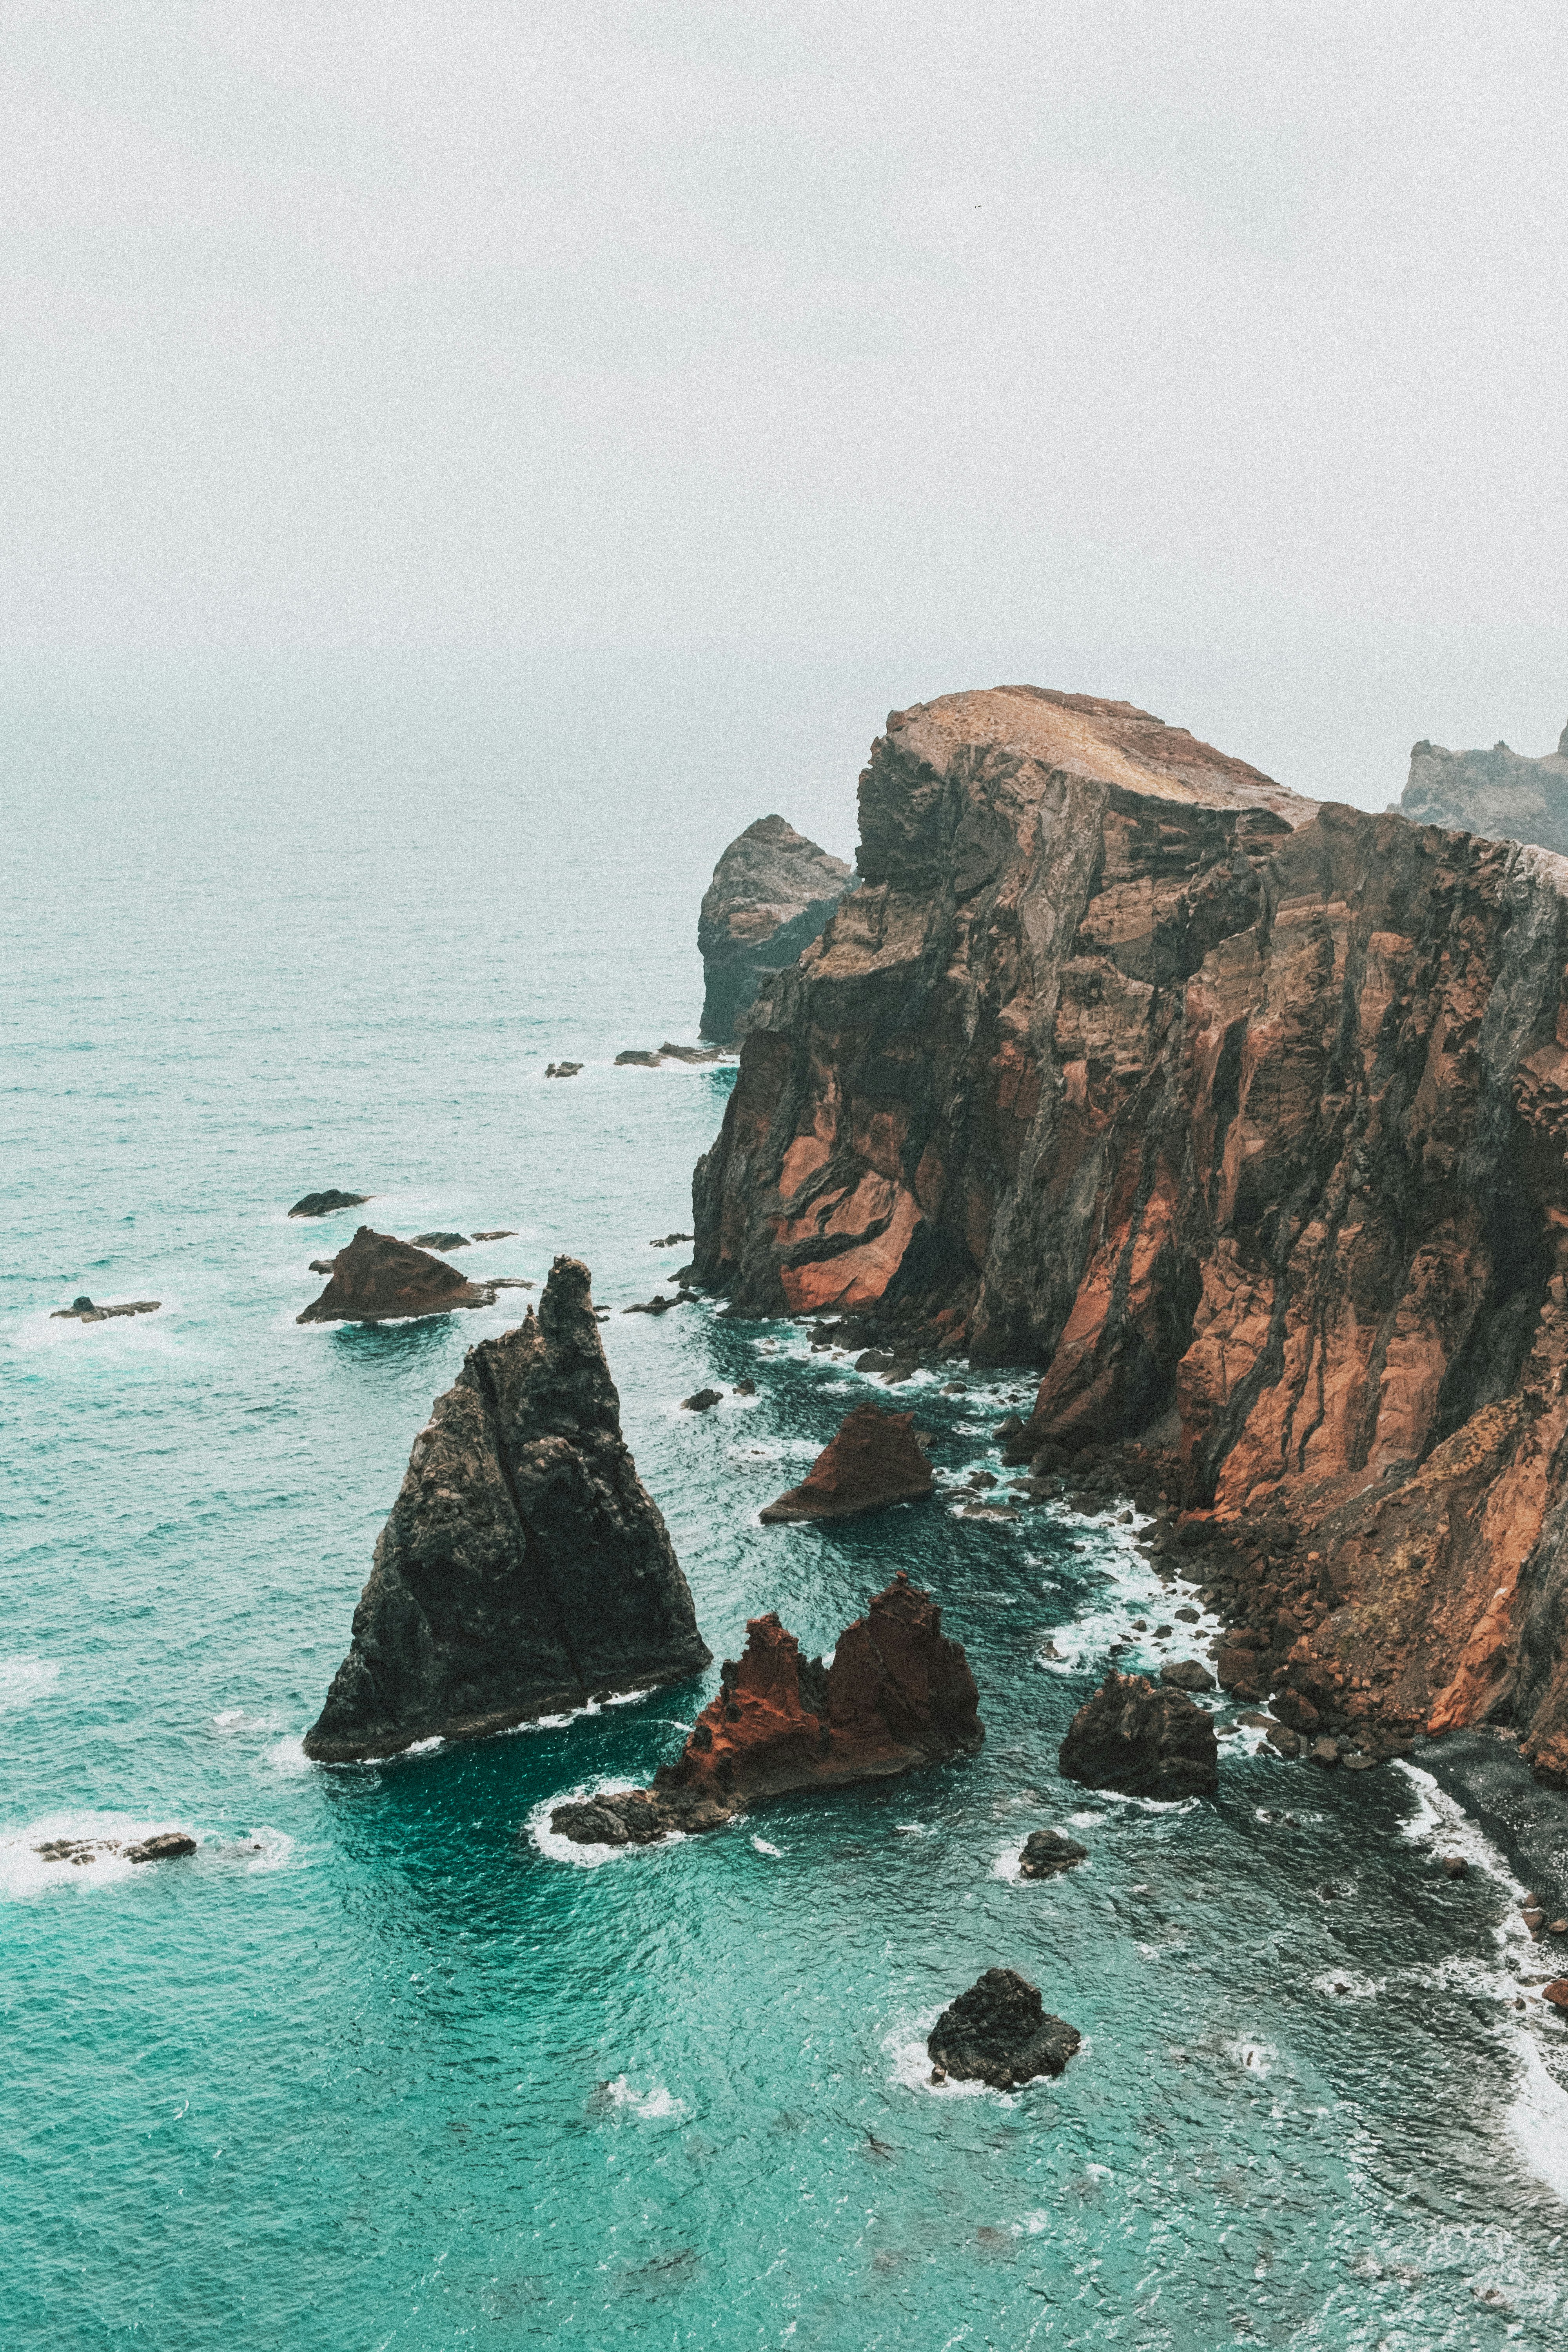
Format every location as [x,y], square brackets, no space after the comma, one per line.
[1247,1121]
[1500,792]
[524,1568]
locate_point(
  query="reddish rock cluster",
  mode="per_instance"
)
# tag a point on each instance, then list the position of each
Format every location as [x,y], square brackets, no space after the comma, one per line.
[898,1694]
[1247,1118]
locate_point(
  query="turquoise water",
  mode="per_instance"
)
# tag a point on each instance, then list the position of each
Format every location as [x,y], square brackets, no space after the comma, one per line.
[378,2068]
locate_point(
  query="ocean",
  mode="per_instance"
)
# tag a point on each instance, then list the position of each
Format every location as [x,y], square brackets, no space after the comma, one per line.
[384,2065]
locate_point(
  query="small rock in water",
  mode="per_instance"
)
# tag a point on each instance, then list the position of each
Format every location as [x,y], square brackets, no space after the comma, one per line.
[167,1845]
[497,1233]
[1325,1752]
[689,1054]
[1455,1865]
[1188,1616]
[1556,1992]
[84,1312]
[1187,1675]
[1000,2032]
[321,1204]
[652,1307]
[667,1240]
[324,1265]
[701,1401]
[1287,1741]
[745,1388]
[563,1069]
[441,1240]
[1046,1852]
[636,1060]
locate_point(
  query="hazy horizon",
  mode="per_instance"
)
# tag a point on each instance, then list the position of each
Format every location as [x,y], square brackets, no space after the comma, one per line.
[769,370]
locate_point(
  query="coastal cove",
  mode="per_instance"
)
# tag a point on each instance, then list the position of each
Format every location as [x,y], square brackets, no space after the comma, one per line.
[385,2063]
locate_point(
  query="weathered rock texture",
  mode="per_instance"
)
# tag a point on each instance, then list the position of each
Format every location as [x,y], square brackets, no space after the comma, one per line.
[322,1204]
[1047,1853]
[1498,793]
[899,1692]
[1143,1741]
[772,892]
[1246,1118]
[875,1459]
[999,2033]
[524,1568]
[378,1279]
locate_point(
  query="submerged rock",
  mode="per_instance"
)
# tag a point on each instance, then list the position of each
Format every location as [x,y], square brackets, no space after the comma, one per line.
[377,1279]
[166,1845]
[701,1401]
[1046,1852]
[898,1694]
[82,1310]
[562,1069]
[321,1204]
[875,1459]
[1000,2032]
[637,1059]
[497,1233]
[1143,1741]
[689,1054]
[524,1568]
[441,1240]
[771,896]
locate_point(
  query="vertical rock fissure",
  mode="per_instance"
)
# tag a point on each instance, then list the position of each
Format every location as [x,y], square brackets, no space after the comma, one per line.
[544,1581]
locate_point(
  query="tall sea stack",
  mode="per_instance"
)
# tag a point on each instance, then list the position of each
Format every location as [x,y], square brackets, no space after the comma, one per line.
[772,892]
[524,1568]
[1248,1120]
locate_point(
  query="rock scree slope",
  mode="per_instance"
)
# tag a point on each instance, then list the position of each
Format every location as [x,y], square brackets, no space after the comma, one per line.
[1243,1117]
[772,892]
[524,1568]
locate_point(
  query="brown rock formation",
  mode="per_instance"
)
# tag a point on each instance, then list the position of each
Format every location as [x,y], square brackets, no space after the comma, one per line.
[875,1459]
[524,1566]
[898,1694]
[1500,792]
[772,892]
[1143,1741]
[377,1278]
[1246,1118]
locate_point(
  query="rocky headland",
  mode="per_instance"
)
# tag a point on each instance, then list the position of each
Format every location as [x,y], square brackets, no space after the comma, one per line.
[898,1693]
[1246,1119]
[876,1459]
[772,892]
[1501,793]
[377,1279]
[524,1568]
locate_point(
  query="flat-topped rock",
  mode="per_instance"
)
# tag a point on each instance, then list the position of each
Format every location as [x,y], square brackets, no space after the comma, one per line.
[525,1568]
[82,1309]
[1143,1741]
[379,1279]
[875,1459]
[771,896]
[898,1694]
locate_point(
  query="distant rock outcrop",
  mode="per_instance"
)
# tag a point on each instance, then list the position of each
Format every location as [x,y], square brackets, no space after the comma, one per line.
[899,1692]
[999,2033]
[322,1204]
[875,1459]
[1143,1741]
[1500,794]
[525,1568]
[772,893]
[377,1279]
[83,1310]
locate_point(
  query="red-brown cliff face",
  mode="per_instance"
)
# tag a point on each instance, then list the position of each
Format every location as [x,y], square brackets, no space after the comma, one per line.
[1245,1117]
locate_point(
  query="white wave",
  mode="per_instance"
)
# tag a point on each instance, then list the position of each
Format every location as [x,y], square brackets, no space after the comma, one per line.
[1085,1821]
[1344,1984]
[762,1846]
[264,1850]
[24,1871]
[22,1680]
[906,2046]
[1008,1866]
[1538,2121]
[288,1757]
[1253,2057]
[650,2104]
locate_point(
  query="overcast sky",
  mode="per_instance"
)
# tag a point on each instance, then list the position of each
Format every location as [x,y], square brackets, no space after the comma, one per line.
[1213,355]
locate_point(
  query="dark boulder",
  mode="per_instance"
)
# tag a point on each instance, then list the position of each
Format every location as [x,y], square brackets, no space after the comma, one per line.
[166,1845]
[378,1279]
[1046,1852]
[524,1568]
[1143,1741]
[1186,1675]
[701,1401]
[322,1204]
[875,1459]
[1000,2032]
[441,1240]
[635,1059]
[563,1069]
[82,1310]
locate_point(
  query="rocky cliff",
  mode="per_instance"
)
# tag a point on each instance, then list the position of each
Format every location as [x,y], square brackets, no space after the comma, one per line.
[772,892]
[1500,792]
[524,1568]
[1245,1120]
